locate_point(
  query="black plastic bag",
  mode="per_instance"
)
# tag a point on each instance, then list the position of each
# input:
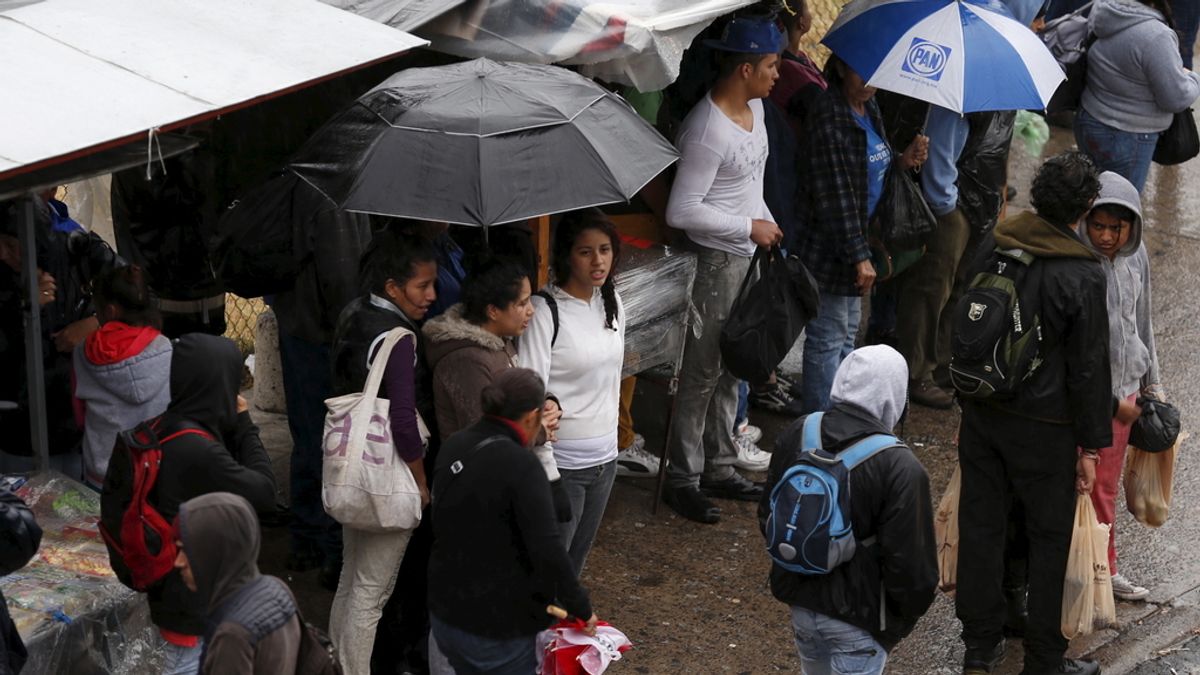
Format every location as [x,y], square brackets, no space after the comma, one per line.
[775,301]
[903,220]
[1157,428]
[1180,142]
[983,168]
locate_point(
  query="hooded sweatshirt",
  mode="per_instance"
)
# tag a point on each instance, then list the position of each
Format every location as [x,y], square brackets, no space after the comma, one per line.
[1131,352]
[1073,383]
[464,359]
[252,625]
[1135,77]
[205,377]
[122,375]
[889,583]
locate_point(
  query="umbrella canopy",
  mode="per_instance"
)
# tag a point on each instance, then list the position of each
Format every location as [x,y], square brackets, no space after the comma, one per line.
[483,143]
[965,55]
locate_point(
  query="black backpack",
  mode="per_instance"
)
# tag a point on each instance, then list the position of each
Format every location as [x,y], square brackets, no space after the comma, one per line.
[996,335]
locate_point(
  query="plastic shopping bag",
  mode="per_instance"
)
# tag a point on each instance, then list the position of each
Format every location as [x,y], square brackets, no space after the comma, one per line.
[1080,586]
[1148,483]
[945,526]
[1104,612]
[566,650]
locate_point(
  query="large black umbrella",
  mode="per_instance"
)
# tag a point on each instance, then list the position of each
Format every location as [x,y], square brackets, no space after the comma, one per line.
[483,143]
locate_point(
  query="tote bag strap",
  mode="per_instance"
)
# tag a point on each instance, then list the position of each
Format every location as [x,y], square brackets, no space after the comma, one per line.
[379,366]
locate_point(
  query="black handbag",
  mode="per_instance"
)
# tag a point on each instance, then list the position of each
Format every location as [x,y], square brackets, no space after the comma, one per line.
[1157,428]
[1180,142]
[901,224]
[776,299]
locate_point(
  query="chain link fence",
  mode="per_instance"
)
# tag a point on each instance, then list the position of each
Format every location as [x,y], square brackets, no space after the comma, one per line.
[241,316]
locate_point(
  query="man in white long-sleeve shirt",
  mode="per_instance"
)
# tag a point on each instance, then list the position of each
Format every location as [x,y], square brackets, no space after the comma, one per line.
[717,200]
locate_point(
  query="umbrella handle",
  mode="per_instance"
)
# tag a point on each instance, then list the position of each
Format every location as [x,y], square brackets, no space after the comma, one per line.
[556,611]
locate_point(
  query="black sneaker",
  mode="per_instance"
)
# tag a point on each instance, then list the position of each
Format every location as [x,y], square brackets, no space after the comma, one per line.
[982,661]
[690,503]
[788,383]
[776,399]
[1068,667]
[734,487]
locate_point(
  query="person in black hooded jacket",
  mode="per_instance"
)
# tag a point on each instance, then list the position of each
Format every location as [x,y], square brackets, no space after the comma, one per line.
[21,536]
[850,618]
[227,456]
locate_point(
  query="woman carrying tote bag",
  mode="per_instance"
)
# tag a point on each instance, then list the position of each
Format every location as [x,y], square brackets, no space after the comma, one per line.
[398,275]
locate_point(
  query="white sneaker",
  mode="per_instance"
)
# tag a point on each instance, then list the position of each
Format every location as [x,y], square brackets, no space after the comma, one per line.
[1124,589]
[635,461]
[750,457]
[749,431]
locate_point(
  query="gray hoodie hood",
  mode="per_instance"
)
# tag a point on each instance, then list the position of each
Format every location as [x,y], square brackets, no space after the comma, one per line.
[1110,17]
[1114,189]
[875,379]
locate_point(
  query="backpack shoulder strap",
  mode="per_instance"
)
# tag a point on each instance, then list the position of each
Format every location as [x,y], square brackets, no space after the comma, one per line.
[810,435]
[552,305]
[867,448]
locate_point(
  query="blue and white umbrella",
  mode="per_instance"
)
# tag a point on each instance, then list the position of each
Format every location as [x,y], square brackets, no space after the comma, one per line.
[965,55]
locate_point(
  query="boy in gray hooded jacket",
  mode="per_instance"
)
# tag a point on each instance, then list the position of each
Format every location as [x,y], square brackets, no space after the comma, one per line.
[1114,230]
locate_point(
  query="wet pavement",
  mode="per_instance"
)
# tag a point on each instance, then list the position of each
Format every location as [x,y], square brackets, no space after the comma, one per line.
[693,598]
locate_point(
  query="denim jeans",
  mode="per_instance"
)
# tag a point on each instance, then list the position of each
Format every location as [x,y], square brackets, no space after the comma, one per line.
[1187,21]
[743,404]
[829,339]
[701,442]
[306,384]
[588,490]
[1127,153]
[828,646]
[472,654]
[179,660]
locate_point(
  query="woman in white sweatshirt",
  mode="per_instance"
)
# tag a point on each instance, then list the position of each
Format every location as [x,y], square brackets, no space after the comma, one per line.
[576,342]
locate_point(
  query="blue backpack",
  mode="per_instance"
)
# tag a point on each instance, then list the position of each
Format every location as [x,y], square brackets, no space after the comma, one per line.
[809,529]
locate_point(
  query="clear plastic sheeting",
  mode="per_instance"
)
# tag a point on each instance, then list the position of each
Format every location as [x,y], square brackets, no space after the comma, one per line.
[656,287]
[72,612]
[403,14]
[631,42]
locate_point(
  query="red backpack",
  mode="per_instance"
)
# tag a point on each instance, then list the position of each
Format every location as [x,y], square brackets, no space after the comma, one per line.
[141,541]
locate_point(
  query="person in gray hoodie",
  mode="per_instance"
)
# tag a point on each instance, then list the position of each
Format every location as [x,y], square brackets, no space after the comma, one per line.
[1114,230]
[123,370]
[1136,82]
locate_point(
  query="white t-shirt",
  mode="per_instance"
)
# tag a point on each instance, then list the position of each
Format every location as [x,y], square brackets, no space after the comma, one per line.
[718,186]
[582,370]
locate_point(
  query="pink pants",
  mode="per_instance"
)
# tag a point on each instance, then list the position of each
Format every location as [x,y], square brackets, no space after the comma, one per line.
[1108,475]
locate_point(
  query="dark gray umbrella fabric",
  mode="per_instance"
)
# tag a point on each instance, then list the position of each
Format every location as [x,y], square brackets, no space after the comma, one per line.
[483,143]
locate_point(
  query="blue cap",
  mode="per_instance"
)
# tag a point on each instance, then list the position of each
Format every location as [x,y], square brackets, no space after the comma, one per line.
[749,36]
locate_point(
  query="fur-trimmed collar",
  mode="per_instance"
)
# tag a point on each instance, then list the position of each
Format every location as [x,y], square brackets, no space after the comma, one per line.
[452,326]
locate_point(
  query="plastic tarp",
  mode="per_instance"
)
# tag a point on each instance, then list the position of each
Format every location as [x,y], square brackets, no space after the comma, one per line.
[631,42]
[80,75]
[655,283]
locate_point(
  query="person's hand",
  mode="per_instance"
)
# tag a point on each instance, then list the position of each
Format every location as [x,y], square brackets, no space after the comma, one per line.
[916,153]
[590,628]
[424,494]
[551,414]
[765,233]
[242,406]
[67,339]
[1085,473]
[1127,411]
[865,276]
[47,288]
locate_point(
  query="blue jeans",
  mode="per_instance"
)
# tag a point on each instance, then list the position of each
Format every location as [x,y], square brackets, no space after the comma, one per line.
[181,660]
[743,405]
[829,339]
[831,647]
[472,654]
[588,490]
[306,384]
[1127,153]
[1187,20]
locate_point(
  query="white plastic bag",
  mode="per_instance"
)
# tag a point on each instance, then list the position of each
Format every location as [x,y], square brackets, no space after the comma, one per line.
[364,484]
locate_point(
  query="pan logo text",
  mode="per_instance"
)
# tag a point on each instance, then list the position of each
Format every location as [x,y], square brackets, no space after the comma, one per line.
[926,59]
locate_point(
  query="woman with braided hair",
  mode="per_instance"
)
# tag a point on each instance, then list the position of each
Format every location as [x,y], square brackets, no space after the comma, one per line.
[576,342]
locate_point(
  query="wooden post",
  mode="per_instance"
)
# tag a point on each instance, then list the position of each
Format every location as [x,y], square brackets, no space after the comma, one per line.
[540,229]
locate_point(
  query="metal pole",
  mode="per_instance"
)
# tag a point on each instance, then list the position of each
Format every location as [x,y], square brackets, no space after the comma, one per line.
[34,367]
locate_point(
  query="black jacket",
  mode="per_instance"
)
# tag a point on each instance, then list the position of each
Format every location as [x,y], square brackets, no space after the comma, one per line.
[205,376]
[1073,384]
[19,540]
[497,557]
[889,500]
